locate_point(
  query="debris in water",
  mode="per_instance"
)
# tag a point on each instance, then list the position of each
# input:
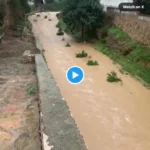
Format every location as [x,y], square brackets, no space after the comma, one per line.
[63,39]
[68,45]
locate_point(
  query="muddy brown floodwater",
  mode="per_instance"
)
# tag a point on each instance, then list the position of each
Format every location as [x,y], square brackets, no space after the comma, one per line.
[110,116]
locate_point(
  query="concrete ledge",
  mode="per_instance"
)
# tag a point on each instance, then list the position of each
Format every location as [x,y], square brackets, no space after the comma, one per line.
[59,127]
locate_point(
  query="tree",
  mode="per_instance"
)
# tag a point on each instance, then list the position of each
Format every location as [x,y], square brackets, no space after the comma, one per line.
[18,9]
[83,15]
[2,12]
[50,1]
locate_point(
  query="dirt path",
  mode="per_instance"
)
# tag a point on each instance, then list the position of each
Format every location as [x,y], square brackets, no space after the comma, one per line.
[109,116]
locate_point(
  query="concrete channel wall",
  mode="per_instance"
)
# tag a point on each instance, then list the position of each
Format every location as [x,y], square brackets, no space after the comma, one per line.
[60,131]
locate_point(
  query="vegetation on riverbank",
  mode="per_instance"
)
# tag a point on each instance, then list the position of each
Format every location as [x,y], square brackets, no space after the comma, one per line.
[81,54]
[133,57]
[112,77]
[82,18]
[92,63]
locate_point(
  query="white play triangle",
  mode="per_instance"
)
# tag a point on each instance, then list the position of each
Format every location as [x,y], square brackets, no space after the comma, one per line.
[74,75]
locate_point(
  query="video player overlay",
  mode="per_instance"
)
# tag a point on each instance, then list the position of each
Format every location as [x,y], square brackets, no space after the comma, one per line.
[137,5]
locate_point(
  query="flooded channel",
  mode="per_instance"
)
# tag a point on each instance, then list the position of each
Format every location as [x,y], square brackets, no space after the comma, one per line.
[110,116]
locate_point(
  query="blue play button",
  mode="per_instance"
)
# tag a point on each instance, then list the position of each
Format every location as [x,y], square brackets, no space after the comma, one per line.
[75,75]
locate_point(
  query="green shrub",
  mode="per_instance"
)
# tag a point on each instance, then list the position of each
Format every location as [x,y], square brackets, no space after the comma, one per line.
[58,25]
[82,54]
[60,32]
[104,33]
[112,77]
[31,90]
[103,41]
[92,63]
[58,15]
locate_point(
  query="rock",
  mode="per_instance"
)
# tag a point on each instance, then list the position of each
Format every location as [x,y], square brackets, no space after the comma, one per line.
[28,58]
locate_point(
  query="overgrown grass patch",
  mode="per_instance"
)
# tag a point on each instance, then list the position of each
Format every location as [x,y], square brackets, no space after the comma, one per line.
[81,54]
[137,62]
[92,63]
[118,33]
[112,77]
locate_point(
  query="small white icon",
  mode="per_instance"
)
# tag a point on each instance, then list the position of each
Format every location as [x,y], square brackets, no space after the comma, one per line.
[74,75]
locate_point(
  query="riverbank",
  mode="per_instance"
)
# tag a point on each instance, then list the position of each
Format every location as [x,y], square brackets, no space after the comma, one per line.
[133,57]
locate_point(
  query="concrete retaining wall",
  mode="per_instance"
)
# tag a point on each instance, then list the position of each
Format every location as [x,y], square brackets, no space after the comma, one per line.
[60,130]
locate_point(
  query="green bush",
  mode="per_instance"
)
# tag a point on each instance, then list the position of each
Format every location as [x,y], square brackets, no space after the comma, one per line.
[82,54]
[103,33]
[31,90]
[60,32]
[58,25]
[19,9]
[112,77]
[58,15]
[92,63]
[103,41]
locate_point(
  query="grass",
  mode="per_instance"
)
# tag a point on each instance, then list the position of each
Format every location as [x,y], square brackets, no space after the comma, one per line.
[92,63]
[81,54]
[31,90]
[137,63]
[112,77]
[118,33]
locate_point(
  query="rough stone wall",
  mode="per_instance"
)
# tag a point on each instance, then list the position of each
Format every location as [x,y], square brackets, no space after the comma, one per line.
[136,26]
